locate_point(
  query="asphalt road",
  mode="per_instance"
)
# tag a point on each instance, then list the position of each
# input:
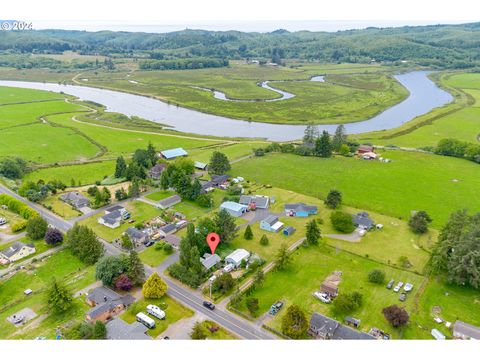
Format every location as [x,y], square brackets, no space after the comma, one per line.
[235,324]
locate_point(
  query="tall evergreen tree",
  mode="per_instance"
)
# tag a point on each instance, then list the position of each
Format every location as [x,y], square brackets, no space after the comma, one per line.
[339,138]
[334,199]
[84,244]
[283,257]
[154,287]
[225,226]
[310,135]
[219,164]
[313,232]
[136,269]
[120,168]
[323,145]
[248,235]
[58,297]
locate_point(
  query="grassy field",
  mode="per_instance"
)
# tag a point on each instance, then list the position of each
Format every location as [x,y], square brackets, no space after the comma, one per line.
[139,212]
[173,310]
[385,246]
[84,174]
[412,181]
[10,95]
[62,265]
[309,269]
[314,101]
[220,334]
[160,195]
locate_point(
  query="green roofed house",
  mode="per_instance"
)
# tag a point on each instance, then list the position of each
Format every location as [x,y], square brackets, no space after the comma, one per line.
[173,153]
[233,208]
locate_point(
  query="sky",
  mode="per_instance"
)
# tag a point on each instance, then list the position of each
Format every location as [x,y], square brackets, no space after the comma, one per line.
[88,14]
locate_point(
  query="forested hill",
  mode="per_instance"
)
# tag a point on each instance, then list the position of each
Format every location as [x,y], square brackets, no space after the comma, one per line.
[440,45]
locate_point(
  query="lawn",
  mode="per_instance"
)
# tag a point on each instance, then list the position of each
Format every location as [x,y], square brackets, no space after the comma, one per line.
[412,181]
[160,195]
[84,174]
[233,152]
[220,334]
[395,236]
[153,256]
[309,269]
[173,310]
[60,208]
[139,211]
[62,265]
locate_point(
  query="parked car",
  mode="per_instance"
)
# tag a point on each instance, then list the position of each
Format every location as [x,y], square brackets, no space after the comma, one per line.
[149,243]
[408,287]
[209,305]
[228,268]
[3,221]
[323,297]
[398,287]
[275,307]
[403,296]
[390,284]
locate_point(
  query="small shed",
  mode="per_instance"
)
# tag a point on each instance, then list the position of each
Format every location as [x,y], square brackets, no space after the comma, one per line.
[200,165]
[289,230]
[437,334]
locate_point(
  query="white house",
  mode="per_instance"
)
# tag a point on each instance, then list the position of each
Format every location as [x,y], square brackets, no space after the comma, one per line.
[236,257]
[16,251]
[111,220]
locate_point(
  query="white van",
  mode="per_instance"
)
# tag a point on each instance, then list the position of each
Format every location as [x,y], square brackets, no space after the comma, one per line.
[145,320]
[156,311]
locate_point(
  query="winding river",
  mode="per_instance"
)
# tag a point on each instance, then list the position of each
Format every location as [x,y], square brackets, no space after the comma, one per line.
[424,96]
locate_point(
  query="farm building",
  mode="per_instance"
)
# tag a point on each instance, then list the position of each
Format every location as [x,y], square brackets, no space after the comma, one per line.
[106,303]
[169,202]
[75,199]
[200,165]
[300,210]
[363,149]
[156,171]
[289,230]
[173,153]
[271,223]
[117,329]
[236,257]
[465,331]
[233,208]
[167,230]
[325,328]
[208,260]
[255,202]
[16,251]
[220,180]
[363,221]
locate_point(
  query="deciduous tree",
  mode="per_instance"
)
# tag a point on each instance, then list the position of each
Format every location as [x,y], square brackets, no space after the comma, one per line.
[294,323]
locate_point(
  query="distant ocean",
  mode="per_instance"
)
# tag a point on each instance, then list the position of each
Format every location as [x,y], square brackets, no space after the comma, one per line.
[246,26]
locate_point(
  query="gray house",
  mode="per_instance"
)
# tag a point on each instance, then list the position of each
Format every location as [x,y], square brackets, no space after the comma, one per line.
[325,328]
[135,235]
[117,329]
[255,202]
[75,199]
[156,171]
[363,221]
[208,260]
[169,202]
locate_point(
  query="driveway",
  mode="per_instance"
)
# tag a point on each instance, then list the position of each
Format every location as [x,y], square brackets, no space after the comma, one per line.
[353,237]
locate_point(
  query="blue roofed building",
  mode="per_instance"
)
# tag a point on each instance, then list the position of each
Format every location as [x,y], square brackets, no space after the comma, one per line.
[300,210]
[233,208]
[173,153]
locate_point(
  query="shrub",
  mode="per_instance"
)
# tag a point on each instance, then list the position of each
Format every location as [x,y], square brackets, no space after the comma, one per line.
[252,305]
[123,282]
[168,248]
[342,222]
[36,228]
[395,315]
[19,225]
[154,287]
[53,236]
[348,302]
[376,276]
[418,222]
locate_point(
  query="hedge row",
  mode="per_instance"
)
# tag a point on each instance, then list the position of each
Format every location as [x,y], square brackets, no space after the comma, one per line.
[17,206]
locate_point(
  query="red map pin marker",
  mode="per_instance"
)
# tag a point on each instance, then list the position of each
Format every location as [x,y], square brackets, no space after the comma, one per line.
[213,240]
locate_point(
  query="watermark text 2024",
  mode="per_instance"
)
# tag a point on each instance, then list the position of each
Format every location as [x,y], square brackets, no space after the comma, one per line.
[16,25]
